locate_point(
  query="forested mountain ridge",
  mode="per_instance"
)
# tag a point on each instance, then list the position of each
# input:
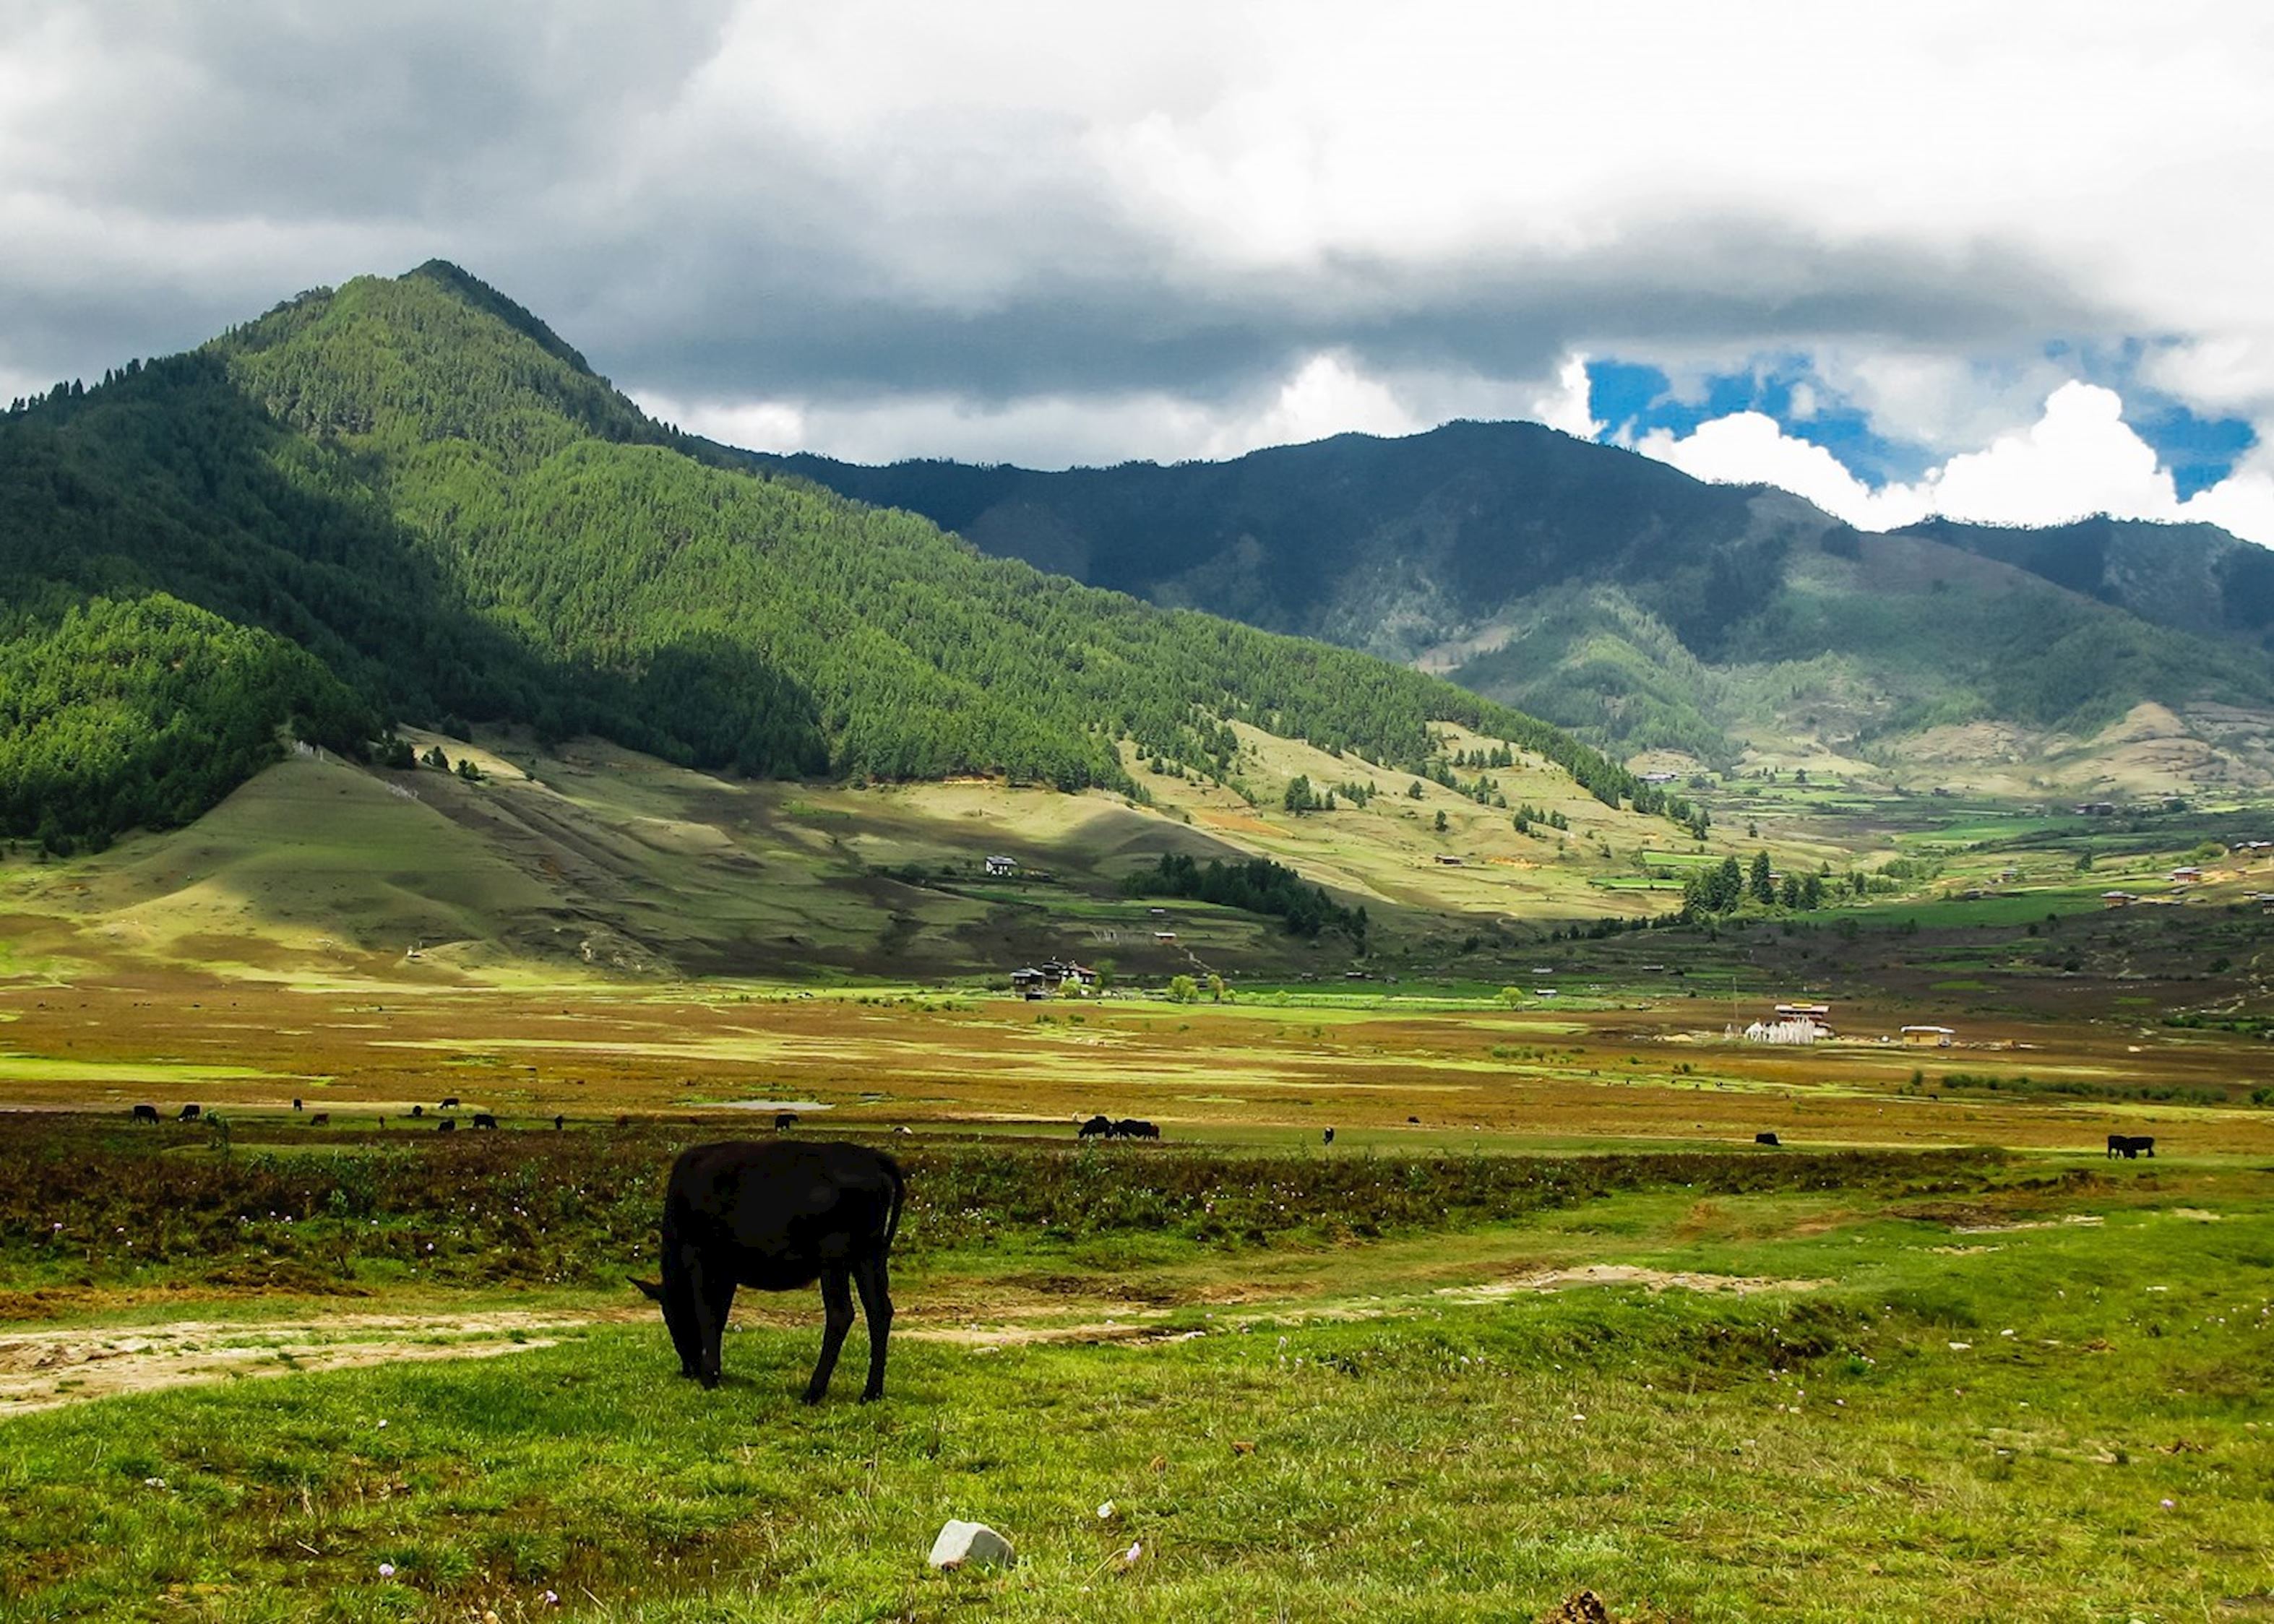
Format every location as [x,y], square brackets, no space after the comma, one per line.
[1613,594]
[417,483]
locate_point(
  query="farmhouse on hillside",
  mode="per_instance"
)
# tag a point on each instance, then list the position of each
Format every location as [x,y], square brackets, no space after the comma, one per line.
[1053,976]
[1000,867]
[1928,1037]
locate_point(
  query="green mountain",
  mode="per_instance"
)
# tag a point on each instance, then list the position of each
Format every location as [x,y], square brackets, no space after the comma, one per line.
[407,500]
[1619,597]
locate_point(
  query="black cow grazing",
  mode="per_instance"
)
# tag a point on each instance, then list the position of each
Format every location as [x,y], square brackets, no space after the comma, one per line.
[450,1104]
[1416,1121]
[295,1105]
[560,1124]
[1136,1128]
[1766,1139]
[449,1124]
[1328,1138]
[145,1113]
[189,1113]
[322,1119]
[2131,1146]
[417,1110]
[775,1217]
[1097,1127]
[784,1120]
[485,1119]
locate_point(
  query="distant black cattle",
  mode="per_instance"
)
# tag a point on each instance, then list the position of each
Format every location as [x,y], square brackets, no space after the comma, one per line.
[321,1120]
[1136,1128]
[144,1113]
[189,1113]
[623,1122]
[1416,1121]
[784,1120]
[1328,1138]
[1094,1128]
[2130,1146]
[417,1110]
[485,1119]
[558,1123]
[295,1105]
[449,1124]
[450,1104]
[1764,1138]
[775,1217]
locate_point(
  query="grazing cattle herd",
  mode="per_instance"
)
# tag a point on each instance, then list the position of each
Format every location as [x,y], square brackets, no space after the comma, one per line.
[778,1216]
[2128,1145]
[1126,1128]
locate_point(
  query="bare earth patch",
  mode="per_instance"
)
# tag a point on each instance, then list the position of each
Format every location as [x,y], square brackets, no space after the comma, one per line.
[1625,1275]
[41,1369]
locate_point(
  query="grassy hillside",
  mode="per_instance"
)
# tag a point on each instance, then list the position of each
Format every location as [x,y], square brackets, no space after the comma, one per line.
[584,858]
[423,487]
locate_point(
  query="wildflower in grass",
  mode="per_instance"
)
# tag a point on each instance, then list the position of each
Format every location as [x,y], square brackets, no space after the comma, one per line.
[387,1570]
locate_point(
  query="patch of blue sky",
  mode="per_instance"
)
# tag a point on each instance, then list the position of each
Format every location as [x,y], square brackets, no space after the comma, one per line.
[1631,399]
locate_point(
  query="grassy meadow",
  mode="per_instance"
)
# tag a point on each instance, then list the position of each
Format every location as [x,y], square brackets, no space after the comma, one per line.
[1727,1386]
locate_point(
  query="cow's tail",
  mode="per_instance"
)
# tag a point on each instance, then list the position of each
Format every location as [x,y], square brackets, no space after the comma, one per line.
[899,1199]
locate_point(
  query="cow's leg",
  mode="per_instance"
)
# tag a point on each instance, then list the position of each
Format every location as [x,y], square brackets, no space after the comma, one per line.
[876,1304]
[836,1320]
[710,1298]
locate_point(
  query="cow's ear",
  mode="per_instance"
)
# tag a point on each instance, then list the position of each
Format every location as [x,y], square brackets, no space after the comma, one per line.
[652,1289]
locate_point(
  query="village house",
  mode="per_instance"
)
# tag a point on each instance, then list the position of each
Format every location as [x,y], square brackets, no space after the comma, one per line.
[1053,977]
[2118,898]
[1001,868]
[1928,1037]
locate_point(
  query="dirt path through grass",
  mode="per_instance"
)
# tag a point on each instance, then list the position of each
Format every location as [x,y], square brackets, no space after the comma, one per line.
[41,1369]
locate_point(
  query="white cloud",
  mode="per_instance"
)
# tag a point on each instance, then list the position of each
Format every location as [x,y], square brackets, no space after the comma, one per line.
[1325,395]
[1328,396]
[1747,447]
[2077,459]
[1567,406]
[2243,503]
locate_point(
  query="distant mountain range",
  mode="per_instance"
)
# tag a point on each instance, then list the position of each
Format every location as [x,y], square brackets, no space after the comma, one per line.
[407,500]
[1617,596]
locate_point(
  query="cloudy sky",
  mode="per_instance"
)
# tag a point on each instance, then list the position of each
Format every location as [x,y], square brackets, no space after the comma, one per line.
[2009,262]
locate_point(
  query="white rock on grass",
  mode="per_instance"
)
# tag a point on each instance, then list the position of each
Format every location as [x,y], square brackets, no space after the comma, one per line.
[970,1545]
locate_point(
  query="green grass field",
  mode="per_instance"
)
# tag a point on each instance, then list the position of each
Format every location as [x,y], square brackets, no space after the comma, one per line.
[2020,1389]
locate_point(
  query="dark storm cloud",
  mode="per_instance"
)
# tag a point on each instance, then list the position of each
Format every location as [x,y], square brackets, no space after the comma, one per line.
[731,328]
